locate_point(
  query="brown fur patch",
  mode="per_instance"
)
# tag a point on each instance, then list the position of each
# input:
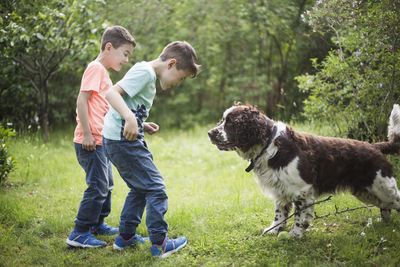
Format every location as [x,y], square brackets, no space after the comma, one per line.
[246,126]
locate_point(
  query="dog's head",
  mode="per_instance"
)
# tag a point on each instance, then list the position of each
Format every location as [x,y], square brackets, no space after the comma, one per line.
[241,128]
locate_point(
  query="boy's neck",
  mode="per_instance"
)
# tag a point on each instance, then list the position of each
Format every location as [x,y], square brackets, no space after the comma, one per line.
[103,60]
[157,66]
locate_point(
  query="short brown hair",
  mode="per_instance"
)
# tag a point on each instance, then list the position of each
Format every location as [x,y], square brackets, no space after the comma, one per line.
[184,54]
[117,36]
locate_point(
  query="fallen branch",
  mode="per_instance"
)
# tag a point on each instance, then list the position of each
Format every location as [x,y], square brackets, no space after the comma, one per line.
[306,207]
[341,211]
[317,216]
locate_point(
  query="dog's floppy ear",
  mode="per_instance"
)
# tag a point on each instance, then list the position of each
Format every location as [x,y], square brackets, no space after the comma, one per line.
[251,127]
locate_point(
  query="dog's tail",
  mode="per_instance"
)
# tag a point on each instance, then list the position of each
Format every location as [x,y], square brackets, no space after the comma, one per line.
[393,146]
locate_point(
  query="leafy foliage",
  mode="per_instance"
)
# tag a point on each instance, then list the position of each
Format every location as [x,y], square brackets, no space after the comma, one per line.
[36,38]
[249,52]
[357,84]
[7,163]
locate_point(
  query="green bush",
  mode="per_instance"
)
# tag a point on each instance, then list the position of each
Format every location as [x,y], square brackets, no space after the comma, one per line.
[356,85]
[6,160]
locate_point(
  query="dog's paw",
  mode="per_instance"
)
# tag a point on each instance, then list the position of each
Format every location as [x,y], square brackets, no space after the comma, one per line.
[272,231]
[296,232]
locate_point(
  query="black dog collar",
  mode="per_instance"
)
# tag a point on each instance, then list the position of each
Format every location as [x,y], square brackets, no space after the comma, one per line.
[251,166]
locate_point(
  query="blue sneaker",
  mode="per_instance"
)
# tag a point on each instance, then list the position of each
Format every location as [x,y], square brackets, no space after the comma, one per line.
[84,240]
[120,243]
[103,229]
[168,247]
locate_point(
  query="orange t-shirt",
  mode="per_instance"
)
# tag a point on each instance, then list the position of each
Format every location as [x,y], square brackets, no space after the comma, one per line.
[96,80]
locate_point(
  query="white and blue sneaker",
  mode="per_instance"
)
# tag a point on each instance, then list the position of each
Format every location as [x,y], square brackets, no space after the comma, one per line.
[120,243]
[168,247]
[104,229]
[84,240]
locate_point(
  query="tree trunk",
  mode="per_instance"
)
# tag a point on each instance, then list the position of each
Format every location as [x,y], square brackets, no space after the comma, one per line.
[222,84]
[275,96]
[44,111]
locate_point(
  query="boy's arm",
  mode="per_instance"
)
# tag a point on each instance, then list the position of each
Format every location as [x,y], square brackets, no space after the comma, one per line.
[114,97]
[88,142]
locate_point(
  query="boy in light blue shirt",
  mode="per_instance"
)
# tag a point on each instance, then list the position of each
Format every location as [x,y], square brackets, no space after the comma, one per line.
[139,90]
[124,126]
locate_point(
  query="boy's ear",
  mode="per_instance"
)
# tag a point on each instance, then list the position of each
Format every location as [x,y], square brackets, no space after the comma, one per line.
[171,63]
[108,46]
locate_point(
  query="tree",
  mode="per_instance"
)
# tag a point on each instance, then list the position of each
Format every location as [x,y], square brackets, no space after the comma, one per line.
[249,51]
[38,36]
[357,84]
[281,38]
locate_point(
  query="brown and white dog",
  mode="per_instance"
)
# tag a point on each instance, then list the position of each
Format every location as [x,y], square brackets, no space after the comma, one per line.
[295,168]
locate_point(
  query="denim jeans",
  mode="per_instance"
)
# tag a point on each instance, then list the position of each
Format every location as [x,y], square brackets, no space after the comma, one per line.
[96,201]
[135,164]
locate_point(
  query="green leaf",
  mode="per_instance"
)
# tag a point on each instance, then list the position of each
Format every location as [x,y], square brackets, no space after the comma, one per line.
[42,16]
[39,36]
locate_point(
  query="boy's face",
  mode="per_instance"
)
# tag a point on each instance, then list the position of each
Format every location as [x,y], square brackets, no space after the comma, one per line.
[120,56]
[171,76]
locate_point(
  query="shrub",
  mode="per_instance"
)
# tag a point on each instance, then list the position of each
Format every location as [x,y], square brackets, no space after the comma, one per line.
[356,85]
[6,160]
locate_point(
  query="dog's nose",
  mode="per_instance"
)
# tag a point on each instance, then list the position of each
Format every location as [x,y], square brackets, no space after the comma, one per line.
[211,133]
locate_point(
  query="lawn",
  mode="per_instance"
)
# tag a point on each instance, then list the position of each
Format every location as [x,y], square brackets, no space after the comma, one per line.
[212,201]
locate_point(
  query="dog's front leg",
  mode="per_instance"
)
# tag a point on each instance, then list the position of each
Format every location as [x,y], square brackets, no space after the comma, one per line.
[304,209]
[282,210]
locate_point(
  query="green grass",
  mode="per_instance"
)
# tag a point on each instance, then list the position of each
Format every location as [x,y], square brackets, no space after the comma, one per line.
[212,201]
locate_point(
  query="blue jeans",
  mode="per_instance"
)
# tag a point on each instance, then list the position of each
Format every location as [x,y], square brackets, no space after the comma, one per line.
[135,164]
[96,201]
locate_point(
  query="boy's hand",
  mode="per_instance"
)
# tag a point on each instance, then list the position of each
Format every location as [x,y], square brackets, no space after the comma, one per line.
[88,142]
[150,127]
[131,128]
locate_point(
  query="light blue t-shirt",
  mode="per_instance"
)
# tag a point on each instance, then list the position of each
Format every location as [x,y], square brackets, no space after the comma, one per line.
[139,84]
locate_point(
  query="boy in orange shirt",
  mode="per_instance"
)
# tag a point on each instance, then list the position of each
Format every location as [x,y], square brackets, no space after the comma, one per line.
[117,45]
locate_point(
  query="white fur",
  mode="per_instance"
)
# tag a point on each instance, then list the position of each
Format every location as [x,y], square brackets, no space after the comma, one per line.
[281,127]
[221,128]
[222,132]
[272,149]
[394,122]
[284,183]
[228,111]
[385,189]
